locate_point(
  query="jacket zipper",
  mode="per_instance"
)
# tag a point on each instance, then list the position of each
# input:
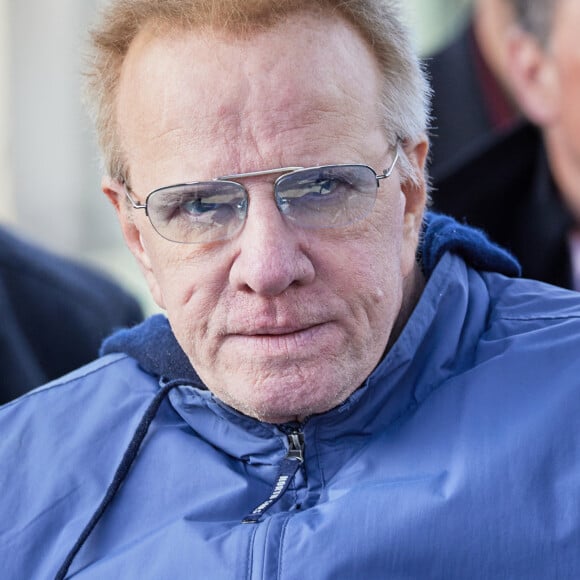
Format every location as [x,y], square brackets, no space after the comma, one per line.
[288,468]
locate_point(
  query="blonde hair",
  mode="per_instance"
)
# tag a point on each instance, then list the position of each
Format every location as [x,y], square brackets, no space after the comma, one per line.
[405,93]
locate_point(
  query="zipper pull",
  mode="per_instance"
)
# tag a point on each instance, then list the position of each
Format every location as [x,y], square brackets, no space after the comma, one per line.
[296,446]
[288,469]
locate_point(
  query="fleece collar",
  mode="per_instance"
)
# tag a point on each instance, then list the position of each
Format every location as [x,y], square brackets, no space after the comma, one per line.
[154,345]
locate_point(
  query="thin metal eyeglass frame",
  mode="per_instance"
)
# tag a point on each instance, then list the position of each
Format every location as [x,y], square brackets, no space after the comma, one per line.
[236,176]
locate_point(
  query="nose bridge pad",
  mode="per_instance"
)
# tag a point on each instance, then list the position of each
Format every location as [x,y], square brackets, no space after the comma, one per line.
[243,208]
[282,204]
[268,247]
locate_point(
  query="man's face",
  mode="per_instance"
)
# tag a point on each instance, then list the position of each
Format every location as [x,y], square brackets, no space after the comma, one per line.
[280,322]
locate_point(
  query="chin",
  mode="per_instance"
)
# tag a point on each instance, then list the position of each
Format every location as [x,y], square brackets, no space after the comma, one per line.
[286,404]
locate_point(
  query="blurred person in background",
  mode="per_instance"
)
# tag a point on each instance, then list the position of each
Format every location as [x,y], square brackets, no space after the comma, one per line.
[55,313]
[523,188]
[471,98]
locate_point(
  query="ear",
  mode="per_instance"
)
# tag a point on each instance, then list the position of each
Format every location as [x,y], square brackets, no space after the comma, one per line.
[532,76]
[415,191]
[130,227]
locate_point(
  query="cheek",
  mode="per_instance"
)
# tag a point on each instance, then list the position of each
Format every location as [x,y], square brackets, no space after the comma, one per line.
[371,264]
[391,237]
[568,125]
[189,280]
[571,112]
[194,291]
[567,57]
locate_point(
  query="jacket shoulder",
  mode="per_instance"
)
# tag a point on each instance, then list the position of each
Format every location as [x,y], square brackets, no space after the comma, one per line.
[101,379]
[531,319]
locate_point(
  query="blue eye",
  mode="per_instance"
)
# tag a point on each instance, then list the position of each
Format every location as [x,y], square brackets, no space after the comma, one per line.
[313,189]
[329,186]
[199,206]
[204,211]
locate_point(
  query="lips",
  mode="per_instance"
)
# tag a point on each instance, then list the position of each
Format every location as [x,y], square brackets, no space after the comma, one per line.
[276,330]
[271,340]
[273,321]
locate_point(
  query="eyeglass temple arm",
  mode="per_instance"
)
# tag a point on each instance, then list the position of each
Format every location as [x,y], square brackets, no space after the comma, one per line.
[387,172]
[128,193]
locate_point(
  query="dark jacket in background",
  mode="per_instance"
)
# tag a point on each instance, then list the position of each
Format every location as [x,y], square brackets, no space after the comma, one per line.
[468,104]
[54,314]
[507,190]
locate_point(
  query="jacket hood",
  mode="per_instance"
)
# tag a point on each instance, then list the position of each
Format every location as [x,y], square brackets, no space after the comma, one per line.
[153,344]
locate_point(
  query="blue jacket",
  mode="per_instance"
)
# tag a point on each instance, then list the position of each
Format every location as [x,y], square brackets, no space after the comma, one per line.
[459,458]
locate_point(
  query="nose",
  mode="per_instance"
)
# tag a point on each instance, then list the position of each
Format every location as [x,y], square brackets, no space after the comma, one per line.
[272,254]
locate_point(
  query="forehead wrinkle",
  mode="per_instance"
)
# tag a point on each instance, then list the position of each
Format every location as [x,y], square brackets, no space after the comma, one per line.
[269,139]
[266,134]
[292,111]
[317,142]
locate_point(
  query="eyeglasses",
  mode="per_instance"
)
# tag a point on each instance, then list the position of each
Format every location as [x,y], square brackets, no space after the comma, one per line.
[329,196]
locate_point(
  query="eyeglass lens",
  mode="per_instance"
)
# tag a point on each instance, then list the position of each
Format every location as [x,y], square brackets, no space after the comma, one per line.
[327,197]
[321,197]
[198,212]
